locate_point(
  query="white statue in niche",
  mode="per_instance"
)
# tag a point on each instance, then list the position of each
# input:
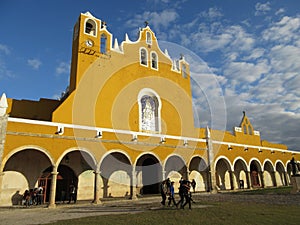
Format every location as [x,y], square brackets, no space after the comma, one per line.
[148,115]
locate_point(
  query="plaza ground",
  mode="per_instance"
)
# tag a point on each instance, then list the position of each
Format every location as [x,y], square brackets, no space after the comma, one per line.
[42,215]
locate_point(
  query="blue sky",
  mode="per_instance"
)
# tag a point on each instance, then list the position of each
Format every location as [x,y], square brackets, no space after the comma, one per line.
[250,50]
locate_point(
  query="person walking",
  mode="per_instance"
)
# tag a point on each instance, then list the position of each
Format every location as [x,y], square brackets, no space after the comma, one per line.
[181,193]
[171,197]
[163,192]
[193,183]
[187,195]
[72,193]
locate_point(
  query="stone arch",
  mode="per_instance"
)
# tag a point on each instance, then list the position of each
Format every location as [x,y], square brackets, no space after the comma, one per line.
[149,173]
[241,173]
[199,172]
[115,169]
[256,173]
[175,168]
[223,173]
[280,174]
[75,167]
[21,171]
[288,171]
[86,157]
[269,174]
[24,147]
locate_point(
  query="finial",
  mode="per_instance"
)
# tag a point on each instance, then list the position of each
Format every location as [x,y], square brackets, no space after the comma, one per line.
[244,113]
[103,24]
[3,104]
[181,56]
[146,23]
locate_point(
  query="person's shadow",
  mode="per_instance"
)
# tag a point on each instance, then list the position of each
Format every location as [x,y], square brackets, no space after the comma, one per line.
[16,199]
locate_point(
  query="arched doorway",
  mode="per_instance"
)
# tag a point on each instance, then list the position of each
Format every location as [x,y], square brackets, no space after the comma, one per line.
[254,173]
[150,171]
[280,175]
[199,172]
[65,178]
[269,175]
[240,172]
[115,173]
[223,175]
[24,168]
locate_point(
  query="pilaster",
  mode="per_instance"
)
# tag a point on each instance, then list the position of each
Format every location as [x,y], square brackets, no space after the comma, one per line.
[53,188]
[210,160]
[97,188]
[133,184]
[3,126]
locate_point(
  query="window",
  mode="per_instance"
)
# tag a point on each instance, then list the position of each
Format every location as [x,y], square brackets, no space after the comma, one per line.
[148,38]
[149,111]
[103,42]
[154,64]
[90,27]
[143,57]
[245,129]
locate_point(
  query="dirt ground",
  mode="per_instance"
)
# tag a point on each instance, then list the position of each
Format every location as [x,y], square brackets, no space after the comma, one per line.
[42,214]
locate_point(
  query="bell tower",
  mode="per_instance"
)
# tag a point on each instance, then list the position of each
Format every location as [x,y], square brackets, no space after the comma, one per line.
[90,41]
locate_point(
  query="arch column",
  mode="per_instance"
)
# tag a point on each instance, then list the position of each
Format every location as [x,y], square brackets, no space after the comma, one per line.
[96,188]
[133,194]
[274,178]
[53,188]
[3,126]
[163,174]
[248,175]
[187,173]
[232,180]
[262,178]
[211,172]
[1,180]
[285,176]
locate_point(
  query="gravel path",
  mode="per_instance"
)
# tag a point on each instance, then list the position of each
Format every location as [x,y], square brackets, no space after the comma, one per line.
[42,215]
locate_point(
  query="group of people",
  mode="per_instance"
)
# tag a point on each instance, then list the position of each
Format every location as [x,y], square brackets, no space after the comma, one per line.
[36,196]
[167,190]
[33,196]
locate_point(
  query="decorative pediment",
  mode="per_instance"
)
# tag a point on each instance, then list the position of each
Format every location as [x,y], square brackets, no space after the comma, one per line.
[246,126]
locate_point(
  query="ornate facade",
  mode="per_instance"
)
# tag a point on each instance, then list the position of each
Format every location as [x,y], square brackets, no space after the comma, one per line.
[125,124]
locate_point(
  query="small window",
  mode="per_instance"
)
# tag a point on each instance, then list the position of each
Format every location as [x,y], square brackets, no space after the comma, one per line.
[154,60]
[143,57]
[148,38]
[245,129]
[90,27]
[103,42]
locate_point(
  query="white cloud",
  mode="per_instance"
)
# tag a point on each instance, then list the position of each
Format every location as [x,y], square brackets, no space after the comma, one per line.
[255,54]
[4,49]
[285,58]
[280,11]
[34,63]
[63,68]
[4,71]
[212,13]
[284,31]
[155,19]
[245,72]
[262,8]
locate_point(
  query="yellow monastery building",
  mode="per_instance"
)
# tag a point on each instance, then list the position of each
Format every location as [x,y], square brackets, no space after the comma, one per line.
[125,124]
